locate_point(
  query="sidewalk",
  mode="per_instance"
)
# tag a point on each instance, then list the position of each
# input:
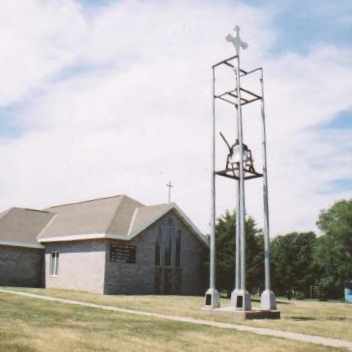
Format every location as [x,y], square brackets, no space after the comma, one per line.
[260,331]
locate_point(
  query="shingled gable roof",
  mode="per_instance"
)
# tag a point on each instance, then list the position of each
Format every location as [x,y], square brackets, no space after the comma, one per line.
[20,227]
[118,217]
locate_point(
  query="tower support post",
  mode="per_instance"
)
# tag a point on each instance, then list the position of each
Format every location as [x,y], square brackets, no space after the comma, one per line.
[212,297]
[268,301]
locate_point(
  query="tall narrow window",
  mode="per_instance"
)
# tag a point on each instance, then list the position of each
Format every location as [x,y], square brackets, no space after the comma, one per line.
[158,247]
[178,249]
[54,264]
[168,234]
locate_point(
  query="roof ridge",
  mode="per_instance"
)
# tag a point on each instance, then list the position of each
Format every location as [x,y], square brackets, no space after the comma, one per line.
[123,197]
[172,206]
[38,210]
[158,205]
[86,201]
[22,208]
[161,209]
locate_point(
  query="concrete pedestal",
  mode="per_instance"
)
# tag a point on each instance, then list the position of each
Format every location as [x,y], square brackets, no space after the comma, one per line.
[212,298]
[268,300]
[240,300]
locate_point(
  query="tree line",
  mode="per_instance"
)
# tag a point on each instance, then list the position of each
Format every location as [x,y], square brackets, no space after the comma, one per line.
[302,263]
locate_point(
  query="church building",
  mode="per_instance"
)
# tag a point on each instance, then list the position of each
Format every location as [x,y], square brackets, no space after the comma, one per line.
[113,245]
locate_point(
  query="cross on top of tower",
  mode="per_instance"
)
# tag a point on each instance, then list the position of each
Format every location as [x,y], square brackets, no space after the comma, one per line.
[236,40]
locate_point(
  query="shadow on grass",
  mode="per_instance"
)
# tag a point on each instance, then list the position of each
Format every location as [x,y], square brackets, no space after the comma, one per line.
[257,300]
[336,318]
[282,302]
[302,318]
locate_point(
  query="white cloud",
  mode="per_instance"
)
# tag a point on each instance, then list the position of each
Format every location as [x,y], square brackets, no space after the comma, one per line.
[119,101]
[37,39]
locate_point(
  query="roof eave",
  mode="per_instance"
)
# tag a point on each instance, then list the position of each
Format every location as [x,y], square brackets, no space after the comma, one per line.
[83,237]
[24,244]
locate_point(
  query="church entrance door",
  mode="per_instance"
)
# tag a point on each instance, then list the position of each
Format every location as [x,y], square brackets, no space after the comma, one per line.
[167,280]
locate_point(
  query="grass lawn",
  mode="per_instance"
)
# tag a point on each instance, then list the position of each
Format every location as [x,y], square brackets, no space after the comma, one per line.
[328,319]
[36,326]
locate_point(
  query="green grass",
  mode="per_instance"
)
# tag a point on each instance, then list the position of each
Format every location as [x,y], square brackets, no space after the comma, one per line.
[34,325]
[328,319]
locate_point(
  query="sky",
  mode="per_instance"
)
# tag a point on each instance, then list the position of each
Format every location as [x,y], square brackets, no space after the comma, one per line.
[104,97]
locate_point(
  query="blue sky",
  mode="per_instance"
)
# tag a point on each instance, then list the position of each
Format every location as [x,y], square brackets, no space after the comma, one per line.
[300,23]
[303,24]
[8,127]
[341,121]
[113,97]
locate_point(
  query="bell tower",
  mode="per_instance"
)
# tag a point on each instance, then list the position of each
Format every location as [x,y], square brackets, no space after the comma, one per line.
[238,165]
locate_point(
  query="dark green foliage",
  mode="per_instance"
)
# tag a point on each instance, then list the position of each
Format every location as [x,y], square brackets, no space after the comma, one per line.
[254,257]
[293,268]
[299,260]
[333,255]
[226,251]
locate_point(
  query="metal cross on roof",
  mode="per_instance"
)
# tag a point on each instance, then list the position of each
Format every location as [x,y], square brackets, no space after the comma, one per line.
[170,185]
[236,41]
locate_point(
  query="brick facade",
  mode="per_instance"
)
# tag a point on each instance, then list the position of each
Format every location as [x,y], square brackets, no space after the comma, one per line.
[81,265]
[87,265]
[139,277]
[21,266]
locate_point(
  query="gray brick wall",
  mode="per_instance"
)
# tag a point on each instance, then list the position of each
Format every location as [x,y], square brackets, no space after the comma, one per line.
[85,265]
[21,266]
[138,278]
[192,263]
[81,265]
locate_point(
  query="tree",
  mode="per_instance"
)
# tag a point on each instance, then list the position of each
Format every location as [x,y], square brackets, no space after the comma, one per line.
[334,249]
[292,262]
[226,253]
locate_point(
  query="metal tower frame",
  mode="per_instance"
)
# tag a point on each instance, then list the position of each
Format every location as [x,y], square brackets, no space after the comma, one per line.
[241,170]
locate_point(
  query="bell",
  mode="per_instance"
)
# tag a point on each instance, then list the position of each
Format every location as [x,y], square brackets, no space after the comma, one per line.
[233,161]
[236,154]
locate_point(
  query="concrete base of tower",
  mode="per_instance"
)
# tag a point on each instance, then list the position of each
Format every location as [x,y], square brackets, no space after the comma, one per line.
[268,301]
[240,300]
[212,298]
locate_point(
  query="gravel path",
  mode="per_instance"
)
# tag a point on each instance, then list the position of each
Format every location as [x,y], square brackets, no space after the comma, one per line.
[260,331]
